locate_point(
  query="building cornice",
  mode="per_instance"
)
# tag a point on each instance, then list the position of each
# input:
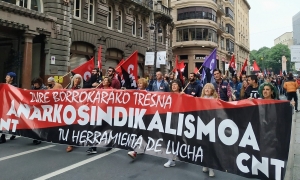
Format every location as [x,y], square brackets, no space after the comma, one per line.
[246,2]
[26,12]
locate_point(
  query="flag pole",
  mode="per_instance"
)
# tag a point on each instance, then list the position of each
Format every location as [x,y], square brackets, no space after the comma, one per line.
[98,85]
[63,76]
[67,86]
[189,81]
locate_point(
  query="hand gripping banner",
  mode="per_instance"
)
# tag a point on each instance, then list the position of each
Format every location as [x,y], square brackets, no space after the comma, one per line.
[249,138]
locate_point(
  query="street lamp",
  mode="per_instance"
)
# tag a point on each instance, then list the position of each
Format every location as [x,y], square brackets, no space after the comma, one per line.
[156,29]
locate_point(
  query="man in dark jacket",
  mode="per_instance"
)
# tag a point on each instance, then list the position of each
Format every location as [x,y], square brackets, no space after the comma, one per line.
[194,88]
[95,79]
[222,87]
[159,84]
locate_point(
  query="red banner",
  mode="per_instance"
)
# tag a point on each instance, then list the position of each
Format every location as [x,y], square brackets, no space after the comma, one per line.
[206,132]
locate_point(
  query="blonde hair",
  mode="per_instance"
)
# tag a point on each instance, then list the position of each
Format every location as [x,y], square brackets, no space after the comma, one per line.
[243,89]
[143,81]
[73,78]
[213,92]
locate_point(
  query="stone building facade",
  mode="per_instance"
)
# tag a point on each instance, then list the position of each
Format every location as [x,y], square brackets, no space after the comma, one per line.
[201,26]
[286,39]
[71,32]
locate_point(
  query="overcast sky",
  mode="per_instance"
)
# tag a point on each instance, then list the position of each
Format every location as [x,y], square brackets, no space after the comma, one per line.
[269,19]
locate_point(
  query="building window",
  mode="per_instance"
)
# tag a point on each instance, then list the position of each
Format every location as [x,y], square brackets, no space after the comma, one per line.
[134,27]
[35,5]
[23,3]
[142,29]
[77,8]
[91,11]
[160,37]
[109,17]
[229,45]
[229,13]
[196,33]
[196,13]
[120,21]
[230,29]
[222,43]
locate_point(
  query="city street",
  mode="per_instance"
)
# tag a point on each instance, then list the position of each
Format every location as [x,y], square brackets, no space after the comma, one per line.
[21,160]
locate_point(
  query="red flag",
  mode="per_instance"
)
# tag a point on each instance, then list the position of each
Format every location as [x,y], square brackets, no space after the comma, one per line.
[255,66]
[85,69]
[118,69]
[178,69]
[232,62]
[181,66]
[99,57]
[128,71]
[196,70]
[244,67]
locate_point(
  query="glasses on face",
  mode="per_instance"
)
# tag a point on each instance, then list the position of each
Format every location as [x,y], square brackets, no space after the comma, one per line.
[109,70]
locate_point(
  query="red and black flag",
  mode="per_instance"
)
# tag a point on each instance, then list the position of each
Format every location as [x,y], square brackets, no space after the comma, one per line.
[85,69]
[232,67]
[243,70]
[127,71]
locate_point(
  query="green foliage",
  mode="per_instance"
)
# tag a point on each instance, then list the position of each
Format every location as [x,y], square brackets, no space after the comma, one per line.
[270,58]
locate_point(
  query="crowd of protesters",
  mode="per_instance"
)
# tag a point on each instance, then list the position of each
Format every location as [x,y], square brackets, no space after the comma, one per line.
[223,88]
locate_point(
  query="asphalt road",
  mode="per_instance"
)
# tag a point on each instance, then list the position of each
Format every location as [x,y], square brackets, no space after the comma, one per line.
[21,160]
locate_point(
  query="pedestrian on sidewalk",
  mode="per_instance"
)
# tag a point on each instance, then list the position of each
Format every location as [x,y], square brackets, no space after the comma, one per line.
[291,87]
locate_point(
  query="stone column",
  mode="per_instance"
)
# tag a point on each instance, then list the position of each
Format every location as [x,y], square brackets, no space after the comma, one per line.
[27,60]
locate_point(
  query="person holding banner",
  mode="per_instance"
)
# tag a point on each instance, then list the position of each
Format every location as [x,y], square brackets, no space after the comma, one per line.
[268,91]
[175,88]
[9,79]
[209,92]
[76,83]
[53,85]
[142,85]
[106,85]
[95,79]
[115,83]
[193,88]
[222,87]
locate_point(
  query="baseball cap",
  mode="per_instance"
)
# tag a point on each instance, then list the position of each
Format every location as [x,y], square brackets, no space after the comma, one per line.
[11,74]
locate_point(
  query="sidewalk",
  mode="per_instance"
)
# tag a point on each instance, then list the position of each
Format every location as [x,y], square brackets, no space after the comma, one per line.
[293,164]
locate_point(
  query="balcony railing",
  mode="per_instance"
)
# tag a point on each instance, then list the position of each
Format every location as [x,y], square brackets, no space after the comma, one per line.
[146,3]
[222,27]
[163,9]
[221,9]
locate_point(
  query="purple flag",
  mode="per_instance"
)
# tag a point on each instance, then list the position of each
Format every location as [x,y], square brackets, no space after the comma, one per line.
[209,64]
[210,61]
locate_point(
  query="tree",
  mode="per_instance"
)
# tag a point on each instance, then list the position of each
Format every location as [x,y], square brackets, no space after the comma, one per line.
[276,53]
[270,58]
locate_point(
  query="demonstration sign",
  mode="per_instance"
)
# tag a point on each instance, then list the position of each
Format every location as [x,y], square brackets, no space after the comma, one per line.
[249,138]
